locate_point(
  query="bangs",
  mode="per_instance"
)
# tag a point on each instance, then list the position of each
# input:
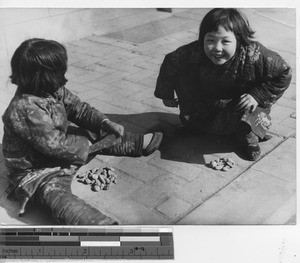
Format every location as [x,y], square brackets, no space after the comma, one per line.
[223,22]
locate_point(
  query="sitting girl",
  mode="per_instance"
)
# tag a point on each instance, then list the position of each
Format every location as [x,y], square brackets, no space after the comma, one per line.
[41,150]
[225,82]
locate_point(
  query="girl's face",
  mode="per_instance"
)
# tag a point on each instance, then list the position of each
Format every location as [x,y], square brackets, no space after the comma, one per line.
[220,45]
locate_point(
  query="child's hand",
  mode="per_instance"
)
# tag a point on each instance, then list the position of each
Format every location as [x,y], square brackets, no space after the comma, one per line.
[247,102]
[171,103]
[113,128]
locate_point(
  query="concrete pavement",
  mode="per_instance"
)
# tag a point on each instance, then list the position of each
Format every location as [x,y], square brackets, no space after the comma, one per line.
[116,73]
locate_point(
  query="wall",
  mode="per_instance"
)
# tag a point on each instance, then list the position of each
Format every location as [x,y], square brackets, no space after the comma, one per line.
[18,24]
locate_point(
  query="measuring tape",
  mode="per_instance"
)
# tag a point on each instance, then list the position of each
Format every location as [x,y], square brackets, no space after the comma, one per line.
[87,243]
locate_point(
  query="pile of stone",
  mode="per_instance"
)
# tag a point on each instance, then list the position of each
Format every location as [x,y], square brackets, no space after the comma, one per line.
[222,164]
[98,179]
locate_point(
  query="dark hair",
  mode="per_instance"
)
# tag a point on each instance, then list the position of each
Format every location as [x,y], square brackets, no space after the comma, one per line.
[39,65]
[232,20]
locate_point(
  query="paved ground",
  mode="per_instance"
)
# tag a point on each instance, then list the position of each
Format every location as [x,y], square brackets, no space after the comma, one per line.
[117,73]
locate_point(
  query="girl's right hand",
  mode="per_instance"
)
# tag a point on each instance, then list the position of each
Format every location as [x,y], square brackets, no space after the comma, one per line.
[173,103]
[247,102]
[113,128]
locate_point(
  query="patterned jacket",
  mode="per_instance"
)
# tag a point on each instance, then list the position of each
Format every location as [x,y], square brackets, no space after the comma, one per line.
[198,83]
[37,133]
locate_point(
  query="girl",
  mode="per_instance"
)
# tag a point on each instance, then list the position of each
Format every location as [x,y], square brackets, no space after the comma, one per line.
[225,82]
[41,150]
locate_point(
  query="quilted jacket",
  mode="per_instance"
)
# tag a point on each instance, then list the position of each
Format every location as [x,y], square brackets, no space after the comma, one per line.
[37,132]
[198,83]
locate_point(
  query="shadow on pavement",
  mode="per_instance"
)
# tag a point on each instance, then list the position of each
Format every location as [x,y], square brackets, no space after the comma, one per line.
[189,148]
[192,149]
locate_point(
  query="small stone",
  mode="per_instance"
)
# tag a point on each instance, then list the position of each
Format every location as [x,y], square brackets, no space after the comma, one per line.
[104,172]
[101,178]
[213,164]
[225,168]
[97,182]
[222,161]
[230,160]
[80,176]
[106,187]
[88,181]
[95,176]
[95,170]
[90,176]
[229,164]
[110,173]
[218,167]
[96,188]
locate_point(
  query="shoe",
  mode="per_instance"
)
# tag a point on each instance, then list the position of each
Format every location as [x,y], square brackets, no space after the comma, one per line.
[154,143]
[253,151]
[266,138]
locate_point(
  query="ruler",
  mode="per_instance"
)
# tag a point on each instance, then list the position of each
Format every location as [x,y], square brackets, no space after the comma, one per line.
[87,243]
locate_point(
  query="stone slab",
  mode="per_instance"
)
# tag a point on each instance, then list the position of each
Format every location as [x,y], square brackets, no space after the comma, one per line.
[186,171]
[281,130]
[285,213]
[280,113]
[283,167]
[201,188]
[159,190]
[289,103]
[132,213]
[289,122]
[139,168]
[153,30]
[174,207]
[250,199]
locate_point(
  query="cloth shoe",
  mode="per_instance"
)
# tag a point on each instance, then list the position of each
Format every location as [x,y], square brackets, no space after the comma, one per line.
[248,142]
[252,151]
[154,143]
[266,138]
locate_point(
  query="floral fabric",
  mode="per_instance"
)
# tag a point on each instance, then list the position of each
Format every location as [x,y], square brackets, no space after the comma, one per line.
[38,142]
[37,132]
[40,145]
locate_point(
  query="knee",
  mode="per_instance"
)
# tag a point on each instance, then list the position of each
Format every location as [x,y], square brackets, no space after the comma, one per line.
[184,119]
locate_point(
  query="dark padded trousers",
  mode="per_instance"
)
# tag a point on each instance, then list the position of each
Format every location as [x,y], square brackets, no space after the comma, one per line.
[55,194]
[66,208]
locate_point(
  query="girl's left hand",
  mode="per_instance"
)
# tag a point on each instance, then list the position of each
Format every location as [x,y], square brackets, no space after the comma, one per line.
[247,102]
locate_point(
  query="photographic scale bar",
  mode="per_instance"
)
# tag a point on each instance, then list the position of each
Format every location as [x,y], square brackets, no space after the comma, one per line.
[87,243]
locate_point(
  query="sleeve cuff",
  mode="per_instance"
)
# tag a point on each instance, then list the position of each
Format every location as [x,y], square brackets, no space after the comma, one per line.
[104,120]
